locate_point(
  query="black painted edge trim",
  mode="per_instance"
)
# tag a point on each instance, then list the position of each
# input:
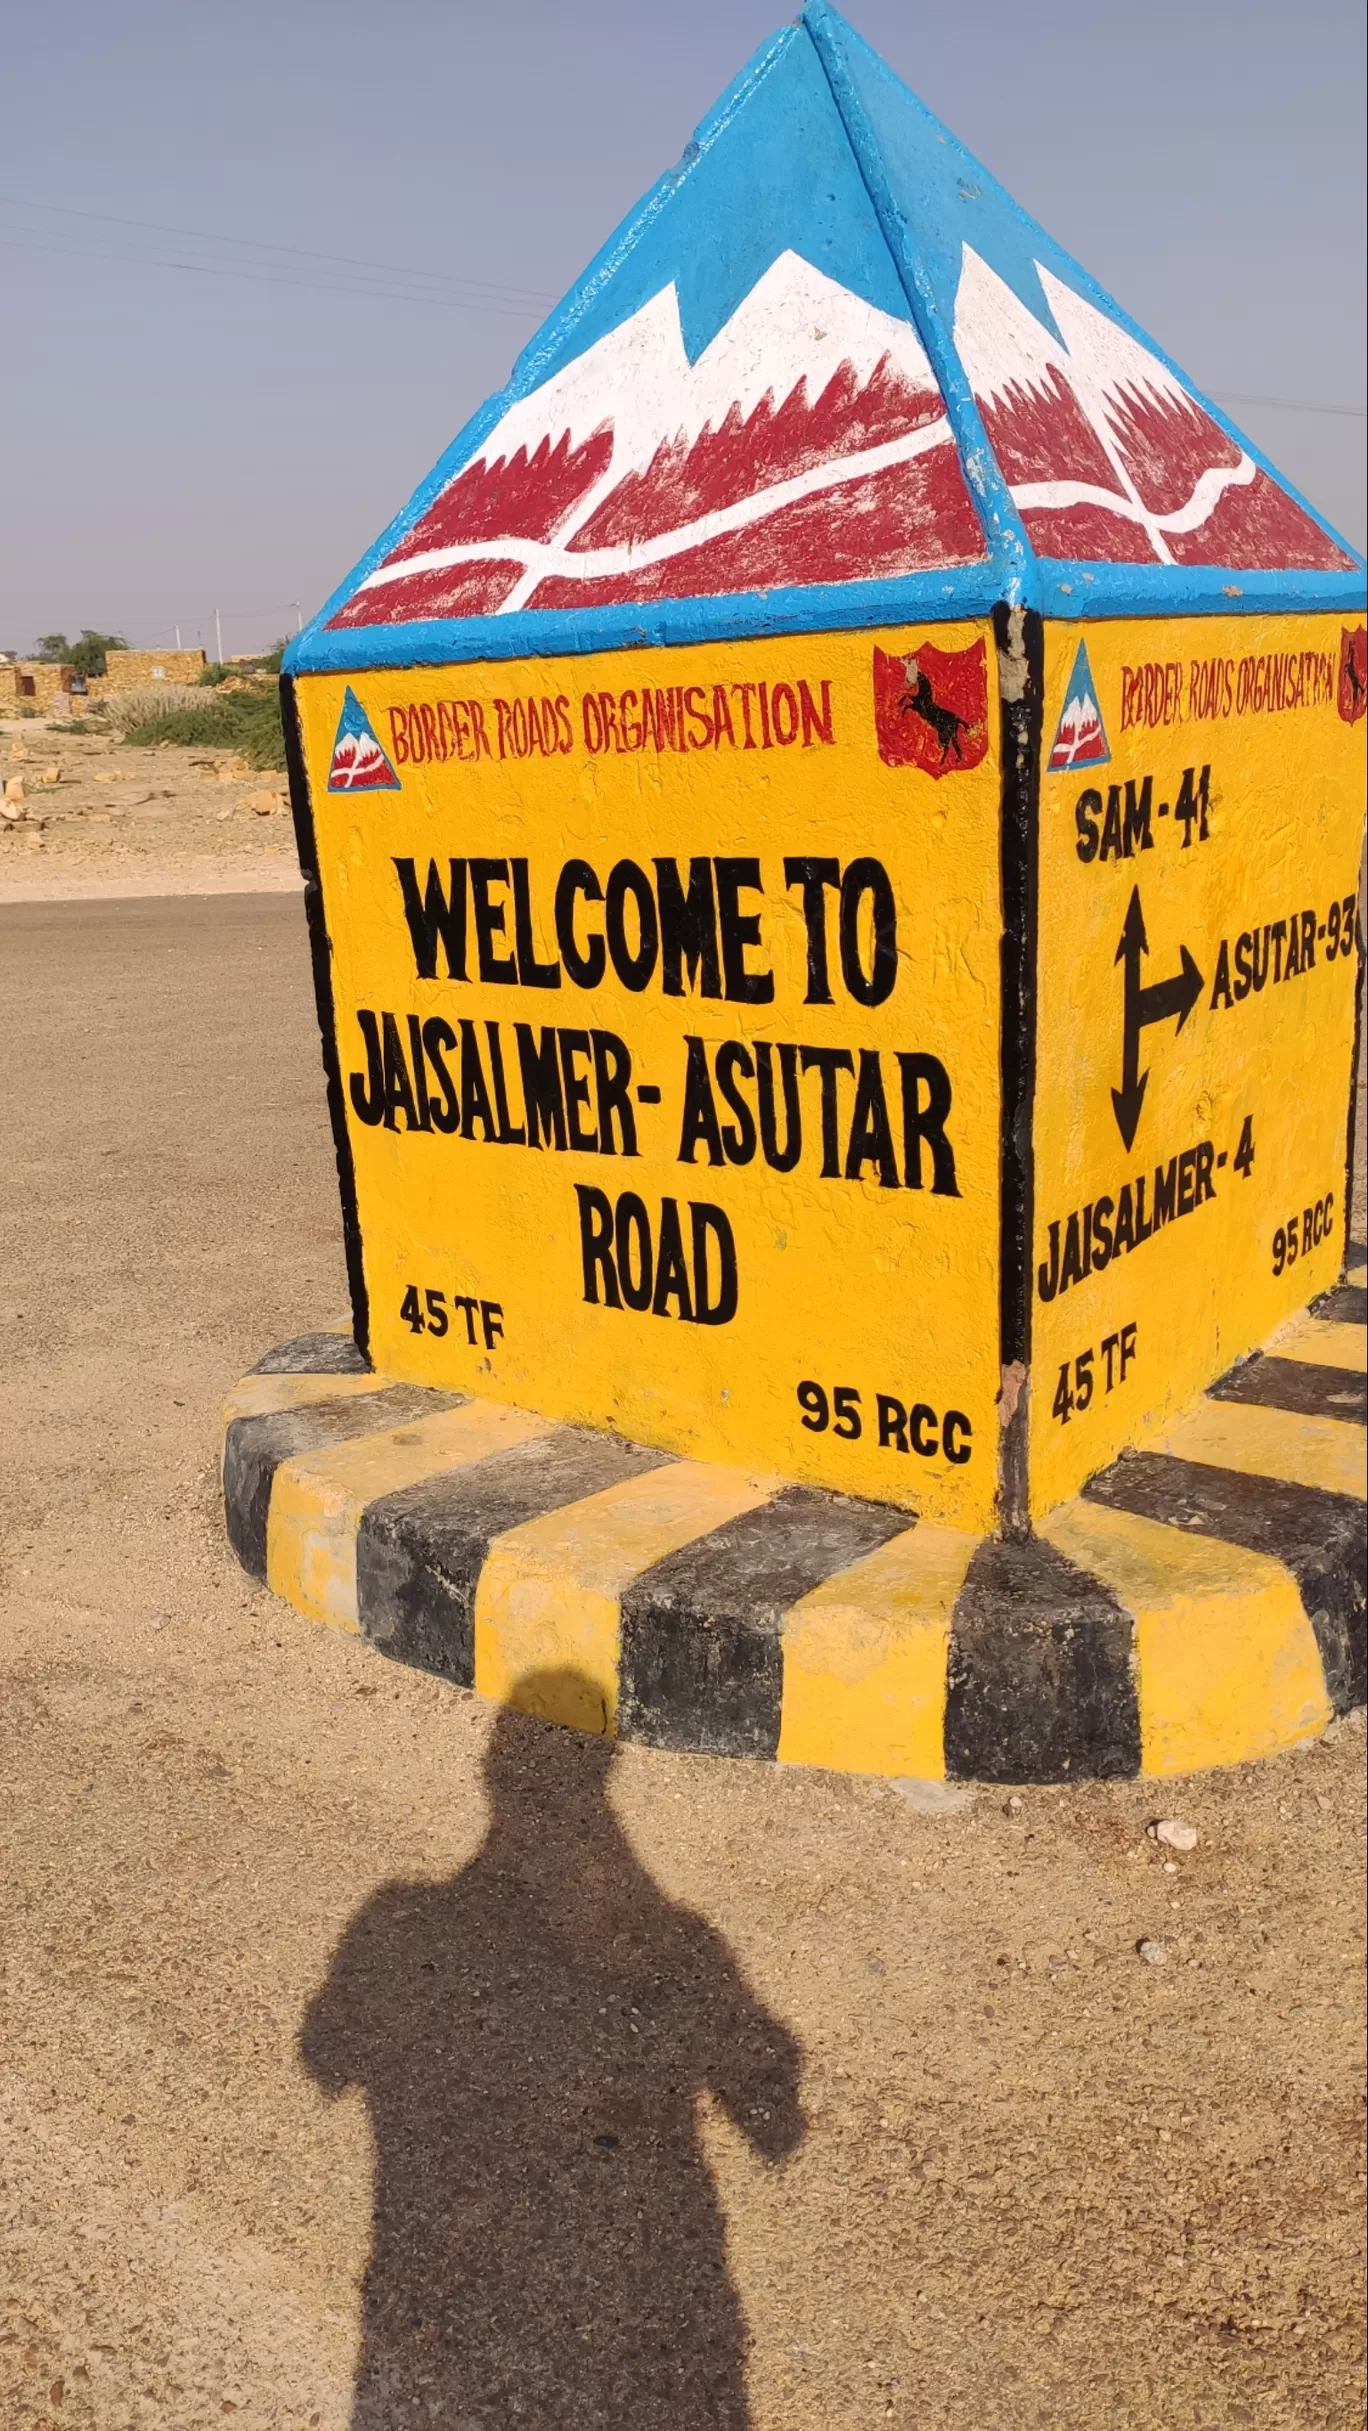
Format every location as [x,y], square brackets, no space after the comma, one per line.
[1301,1386]
[1351,1121]
[320,950]
[1019,849]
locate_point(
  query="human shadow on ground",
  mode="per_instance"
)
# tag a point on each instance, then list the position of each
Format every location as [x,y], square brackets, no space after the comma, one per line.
[534,2038]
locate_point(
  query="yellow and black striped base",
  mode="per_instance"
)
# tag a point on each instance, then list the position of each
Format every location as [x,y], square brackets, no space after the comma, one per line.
[1200,1603]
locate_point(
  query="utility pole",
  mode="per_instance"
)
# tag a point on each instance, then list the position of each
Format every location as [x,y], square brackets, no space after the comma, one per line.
[299,618]
[178,638]
[218,634]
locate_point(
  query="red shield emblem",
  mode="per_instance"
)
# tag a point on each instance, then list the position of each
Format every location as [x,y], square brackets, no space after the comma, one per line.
[931,708]
[1353,674]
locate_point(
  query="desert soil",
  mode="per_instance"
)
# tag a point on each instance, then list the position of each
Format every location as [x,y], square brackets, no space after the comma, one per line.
[980,2166]
[101,819]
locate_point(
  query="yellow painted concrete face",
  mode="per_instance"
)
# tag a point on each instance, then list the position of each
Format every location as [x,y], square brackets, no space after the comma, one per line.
[685,1120]
[1195,1015]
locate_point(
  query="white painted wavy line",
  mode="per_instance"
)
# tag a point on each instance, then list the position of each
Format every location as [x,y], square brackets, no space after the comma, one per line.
[547,557]
[1212,486]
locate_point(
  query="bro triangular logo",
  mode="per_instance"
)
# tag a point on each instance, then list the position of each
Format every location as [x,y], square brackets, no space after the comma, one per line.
[359,763]
[1080,737]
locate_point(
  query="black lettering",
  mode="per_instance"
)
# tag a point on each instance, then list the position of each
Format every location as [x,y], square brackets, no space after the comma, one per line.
[1220,986]
[633,965]
[438,1041]
[1071,1270]
[1187,1181]
[828,1061]
[573,1043]
[1244,971]
[1308,940]
[920,1417]
[927,1123]
[1137,828]
[688,927]
[1112,847]
[871,1136]
[418,1067]
[672,1278]
[1124,1237]
[869,877]
[1258,963]
[738,1139]
[892,1424]
[398,1090]
[368,1095]
[613,1079]
[596,1246]
[814,877]
[1205,1188]
[1047,1273]
[586,967]
[699,1121]
[709,1223]
[635,1257]
[1102,1243]
[475,1105]
[531,973]
[1143,1229]
[957,1438]
[1087,812]
[511,1135]
[497,970]
[432,919]
[781,1160]
[539,1066]
[739,931]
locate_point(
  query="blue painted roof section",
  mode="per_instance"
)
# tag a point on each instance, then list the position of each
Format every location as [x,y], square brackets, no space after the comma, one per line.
[819,149]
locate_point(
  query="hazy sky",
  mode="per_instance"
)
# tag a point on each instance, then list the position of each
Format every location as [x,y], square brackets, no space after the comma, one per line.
[174,438]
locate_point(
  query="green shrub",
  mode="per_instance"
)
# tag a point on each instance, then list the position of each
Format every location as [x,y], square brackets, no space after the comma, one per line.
[245,722]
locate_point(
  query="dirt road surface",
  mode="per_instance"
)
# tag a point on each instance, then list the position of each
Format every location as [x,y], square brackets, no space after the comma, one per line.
[682,2092]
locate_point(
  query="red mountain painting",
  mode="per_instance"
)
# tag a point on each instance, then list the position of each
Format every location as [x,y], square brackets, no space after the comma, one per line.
[807,444]
[1105,452]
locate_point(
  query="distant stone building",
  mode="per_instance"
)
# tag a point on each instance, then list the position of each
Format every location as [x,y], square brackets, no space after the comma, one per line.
[137,670]
[34,683]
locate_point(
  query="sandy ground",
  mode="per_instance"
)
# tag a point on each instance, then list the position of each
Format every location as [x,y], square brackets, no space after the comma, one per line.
[701,2094]
[101,820]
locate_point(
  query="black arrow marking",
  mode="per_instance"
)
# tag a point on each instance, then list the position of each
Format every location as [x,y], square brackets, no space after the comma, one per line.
[1159,1002]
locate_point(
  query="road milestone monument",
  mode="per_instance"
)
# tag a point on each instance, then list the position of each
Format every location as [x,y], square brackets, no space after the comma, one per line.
[832,826]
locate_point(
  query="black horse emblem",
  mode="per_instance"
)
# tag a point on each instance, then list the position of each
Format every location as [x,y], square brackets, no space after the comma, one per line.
[920,701]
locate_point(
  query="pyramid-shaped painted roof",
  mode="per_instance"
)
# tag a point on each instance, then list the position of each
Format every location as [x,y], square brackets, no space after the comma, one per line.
[826,374]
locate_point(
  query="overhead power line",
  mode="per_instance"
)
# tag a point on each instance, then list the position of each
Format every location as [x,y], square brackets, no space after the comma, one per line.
[1291,405]
[262,263]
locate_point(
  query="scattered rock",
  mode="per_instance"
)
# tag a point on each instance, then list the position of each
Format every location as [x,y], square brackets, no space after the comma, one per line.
[1153,1953]
[52,775]
[14,792]
[1173,1834]
[265,802]
[935,1797]
[1013,1806]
